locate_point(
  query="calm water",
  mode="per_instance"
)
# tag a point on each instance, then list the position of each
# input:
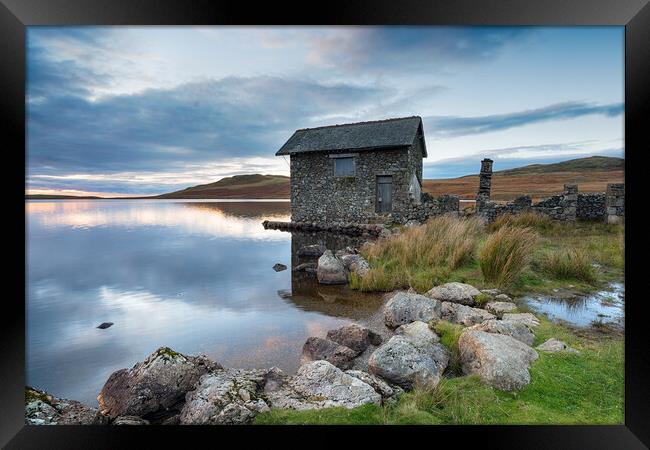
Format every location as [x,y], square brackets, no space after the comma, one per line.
[192,275]
[606,306]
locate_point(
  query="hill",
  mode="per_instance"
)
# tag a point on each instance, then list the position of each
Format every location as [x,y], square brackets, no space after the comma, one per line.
[592,174]
[238,186]
[58,197]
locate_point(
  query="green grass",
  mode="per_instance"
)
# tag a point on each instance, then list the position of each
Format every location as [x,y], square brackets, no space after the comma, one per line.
[506,253]
[565,389]
[449,334]
[568,264]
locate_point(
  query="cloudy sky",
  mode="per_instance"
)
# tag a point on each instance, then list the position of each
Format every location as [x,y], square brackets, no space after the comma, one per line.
[147,110]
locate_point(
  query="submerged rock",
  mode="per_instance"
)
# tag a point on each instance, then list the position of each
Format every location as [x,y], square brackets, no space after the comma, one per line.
[454,292]
[155,388]
[404,308]
[354,336]
[517,330]
[410,360]
[42,408]
[307,267]
[316,348]
[499,360]
[555,345]
[464,315]
[279,267]
[331,270]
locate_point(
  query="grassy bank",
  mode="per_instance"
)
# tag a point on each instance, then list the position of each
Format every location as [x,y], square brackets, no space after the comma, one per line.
[565,389]
[523,253]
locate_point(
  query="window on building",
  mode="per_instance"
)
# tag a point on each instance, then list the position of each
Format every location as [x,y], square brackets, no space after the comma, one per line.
[344,167]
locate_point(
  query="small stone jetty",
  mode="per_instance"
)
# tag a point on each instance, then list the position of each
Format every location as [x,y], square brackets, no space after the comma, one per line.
[352,229]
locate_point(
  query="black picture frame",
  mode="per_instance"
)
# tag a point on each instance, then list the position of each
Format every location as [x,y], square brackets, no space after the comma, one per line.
[16,15]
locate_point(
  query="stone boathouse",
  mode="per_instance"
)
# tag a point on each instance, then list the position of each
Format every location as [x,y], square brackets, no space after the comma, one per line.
[362,172]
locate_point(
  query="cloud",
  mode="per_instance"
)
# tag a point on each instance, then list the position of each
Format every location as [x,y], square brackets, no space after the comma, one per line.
[451,126]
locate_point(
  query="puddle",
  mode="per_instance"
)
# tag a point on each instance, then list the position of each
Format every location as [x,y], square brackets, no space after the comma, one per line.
[607,306]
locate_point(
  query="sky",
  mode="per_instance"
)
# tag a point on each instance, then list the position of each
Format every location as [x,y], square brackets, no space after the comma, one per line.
[122,111]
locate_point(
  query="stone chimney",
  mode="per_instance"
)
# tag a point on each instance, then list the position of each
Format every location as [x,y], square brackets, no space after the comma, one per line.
[485,181]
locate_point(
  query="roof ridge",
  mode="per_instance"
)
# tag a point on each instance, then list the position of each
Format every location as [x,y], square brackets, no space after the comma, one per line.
[392,119]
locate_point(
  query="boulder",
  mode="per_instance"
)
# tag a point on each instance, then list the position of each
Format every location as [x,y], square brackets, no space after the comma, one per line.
[491,292]
[406,307]
[316,348]
[517,330]
[499,308]
[499,360]
[408,362]
[354,336]
[502,298]
[554,345]
[104,325]
[311,250]
[355,263]
[317,385]
[330,269]
[464,315]
[309,267]
[418,331]
[525,318]
[154,388]
[388,392]
[42,408]
[454,292]
[226,397]
[279,267]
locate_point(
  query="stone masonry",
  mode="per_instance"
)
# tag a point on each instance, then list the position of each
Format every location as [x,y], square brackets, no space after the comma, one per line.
[615,203]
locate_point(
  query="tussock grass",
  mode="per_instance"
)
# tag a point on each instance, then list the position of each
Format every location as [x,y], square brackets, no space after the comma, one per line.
[449,334]
[527,219]
[568,264]
[420,257]
[506,253]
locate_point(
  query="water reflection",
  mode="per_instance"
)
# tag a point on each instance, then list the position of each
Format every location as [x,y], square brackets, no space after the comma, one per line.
[195,276]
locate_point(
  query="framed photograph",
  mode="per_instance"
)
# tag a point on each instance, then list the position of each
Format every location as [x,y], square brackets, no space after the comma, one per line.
[410,214]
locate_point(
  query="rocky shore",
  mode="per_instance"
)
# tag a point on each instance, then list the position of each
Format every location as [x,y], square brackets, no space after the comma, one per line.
[349,367]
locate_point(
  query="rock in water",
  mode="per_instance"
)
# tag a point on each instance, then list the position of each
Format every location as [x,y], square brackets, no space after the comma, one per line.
[517,330]
[154,388]
[410,360]
[279,267]
[525,318]
[464,315]
[355,263]
[226,397]
[499,308]
[311,250]
[405,307]
[104,325]
[501,361]
[316,348]
[331,270]
[455,292]
[554,345]
[354,336]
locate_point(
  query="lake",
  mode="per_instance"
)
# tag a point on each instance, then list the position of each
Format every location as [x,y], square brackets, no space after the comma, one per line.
[195,276]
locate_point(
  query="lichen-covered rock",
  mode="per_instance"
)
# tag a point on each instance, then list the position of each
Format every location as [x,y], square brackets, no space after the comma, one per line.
[42,408]
[317,385]
[311,250]
[525,318]
[355,263]
[499,360]
[226,397]
[354,336]
[517,330]
[502,298]
[316,348]
[464,315]
[555,345]
[154,388]
[331,270]
[454,292]
[405,307]
[418,331]
[389,393]
[408,362]
[130,420]
[499,308]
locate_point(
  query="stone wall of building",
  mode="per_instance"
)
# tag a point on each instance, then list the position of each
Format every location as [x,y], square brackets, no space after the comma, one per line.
[615,203]
[591,206]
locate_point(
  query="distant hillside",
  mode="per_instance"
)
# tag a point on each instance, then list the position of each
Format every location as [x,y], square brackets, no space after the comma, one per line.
[537,180]
[56,197]
[239,186]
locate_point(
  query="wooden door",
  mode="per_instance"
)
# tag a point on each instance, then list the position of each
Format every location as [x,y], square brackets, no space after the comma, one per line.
[384,194]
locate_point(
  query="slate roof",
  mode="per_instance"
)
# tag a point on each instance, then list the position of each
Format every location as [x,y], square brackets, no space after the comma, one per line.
[389,133]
